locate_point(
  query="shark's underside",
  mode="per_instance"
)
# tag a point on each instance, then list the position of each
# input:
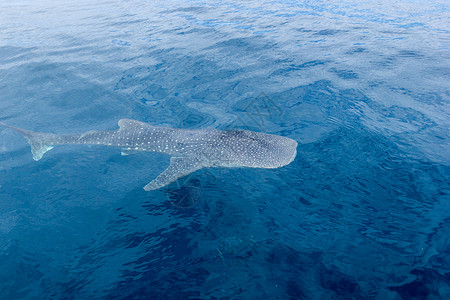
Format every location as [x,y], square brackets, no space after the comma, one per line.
[191,150]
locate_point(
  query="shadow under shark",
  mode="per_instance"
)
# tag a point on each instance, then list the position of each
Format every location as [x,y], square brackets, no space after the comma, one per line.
[191,150]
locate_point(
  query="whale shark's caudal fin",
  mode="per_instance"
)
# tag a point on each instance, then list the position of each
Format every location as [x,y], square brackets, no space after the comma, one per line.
[40,142]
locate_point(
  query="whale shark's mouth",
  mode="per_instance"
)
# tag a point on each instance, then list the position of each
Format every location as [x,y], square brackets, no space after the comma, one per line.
[290,154]
[293,155]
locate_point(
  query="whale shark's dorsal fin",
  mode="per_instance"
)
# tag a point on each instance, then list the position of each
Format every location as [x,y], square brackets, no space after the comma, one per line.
[179,167]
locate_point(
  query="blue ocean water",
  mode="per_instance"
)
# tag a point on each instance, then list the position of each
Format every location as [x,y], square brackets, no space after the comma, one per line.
[362,213]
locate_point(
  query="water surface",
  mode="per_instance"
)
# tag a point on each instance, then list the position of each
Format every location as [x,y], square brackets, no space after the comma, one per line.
[362,213]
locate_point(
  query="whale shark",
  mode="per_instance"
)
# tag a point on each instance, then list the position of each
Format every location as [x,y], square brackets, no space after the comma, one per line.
[190,149]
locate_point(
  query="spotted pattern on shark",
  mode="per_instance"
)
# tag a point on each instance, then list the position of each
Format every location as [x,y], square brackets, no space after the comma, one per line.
[190,149]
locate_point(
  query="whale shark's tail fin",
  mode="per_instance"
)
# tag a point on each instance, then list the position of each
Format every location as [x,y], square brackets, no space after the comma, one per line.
[40,142]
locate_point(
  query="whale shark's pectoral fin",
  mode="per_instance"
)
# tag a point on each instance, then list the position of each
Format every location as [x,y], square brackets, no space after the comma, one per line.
[179,167]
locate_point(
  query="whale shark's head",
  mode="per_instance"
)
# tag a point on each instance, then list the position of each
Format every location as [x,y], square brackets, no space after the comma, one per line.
[277,151]
[259,150]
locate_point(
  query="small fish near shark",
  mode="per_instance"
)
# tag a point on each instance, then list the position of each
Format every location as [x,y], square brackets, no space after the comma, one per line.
[190,149]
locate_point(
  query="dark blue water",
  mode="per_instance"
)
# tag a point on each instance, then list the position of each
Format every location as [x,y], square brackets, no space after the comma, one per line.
[362,213]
